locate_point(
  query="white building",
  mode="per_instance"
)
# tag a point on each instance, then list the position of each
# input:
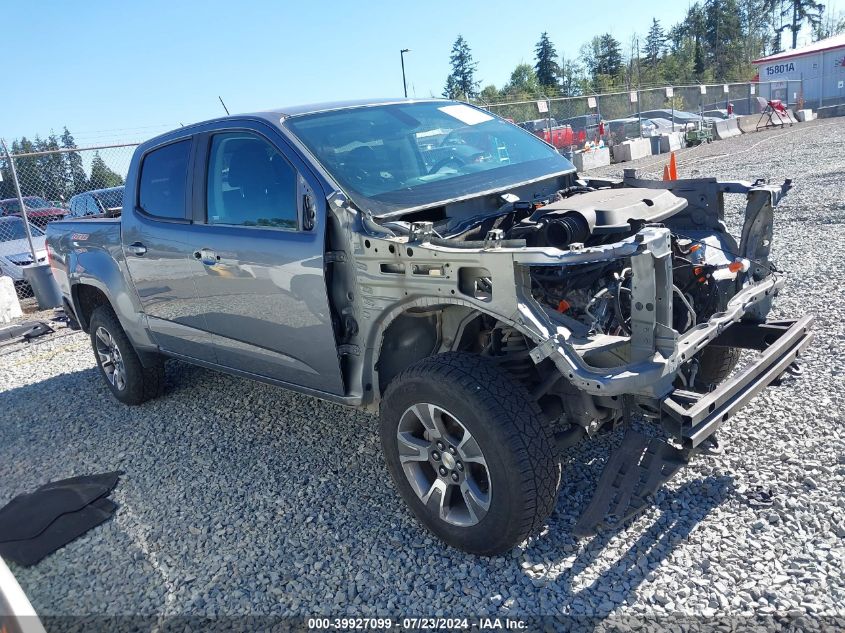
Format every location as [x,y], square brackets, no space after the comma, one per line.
[817,70]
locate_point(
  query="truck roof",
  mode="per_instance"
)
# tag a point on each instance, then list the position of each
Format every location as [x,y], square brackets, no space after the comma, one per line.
[276,115]
[311,108]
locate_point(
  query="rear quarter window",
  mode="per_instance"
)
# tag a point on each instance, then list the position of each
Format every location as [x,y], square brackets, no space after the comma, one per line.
[163,182]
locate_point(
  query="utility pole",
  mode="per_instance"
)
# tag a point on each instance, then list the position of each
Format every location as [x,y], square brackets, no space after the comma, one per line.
[402,57]
[639,107]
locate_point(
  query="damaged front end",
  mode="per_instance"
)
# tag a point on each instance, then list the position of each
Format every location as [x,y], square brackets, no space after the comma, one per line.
[615,290]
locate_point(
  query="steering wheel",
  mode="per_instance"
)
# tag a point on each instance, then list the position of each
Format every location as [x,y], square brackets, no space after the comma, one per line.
[460,162]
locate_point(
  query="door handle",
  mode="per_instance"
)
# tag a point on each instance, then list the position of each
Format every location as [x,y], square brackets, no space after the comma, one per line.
[136,248]
[207,256]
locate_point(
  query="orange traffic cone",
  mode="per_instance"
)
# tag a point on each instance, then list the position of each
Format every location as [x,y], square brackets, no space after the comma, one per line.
[673,167]
[666,174]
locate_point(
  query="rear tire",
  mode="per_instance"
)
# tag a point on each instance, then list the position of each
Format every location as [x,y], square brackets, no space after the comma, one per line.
[458,406]
[129,381]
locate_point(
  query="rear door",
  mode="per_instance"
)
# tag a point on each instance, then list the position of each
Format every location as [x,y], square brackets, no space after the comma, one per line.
[158,255]
[262,285]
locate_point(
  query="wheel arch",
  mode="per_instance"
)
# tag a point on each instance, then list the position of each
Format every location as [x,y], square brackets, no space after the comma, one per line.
[418,329]
[87,298]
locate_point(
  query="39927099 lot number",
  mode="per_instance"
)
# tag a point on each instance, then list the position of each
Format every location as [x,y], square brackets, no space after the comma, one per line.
[342,624]
[412,624]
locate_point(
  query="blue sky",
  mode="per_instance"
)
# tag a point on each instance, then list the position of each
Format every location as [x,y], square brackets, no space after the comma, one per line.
[125,71]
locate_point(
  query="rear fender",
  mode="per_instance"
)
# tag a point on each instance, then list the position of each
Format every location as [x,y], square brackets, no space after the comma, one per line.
[98,269]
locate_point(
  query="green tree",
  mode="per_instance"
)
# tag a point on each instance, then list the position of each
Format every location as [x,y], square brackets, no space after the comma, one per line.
[27,167]
[572,79]
[74,172]
[610,56]
[723,36]
[804,11]
[830,23]
[51,166]
[655,43]
[547,68]
[523,82]
[101,175]
[489,94]
[461,82]
[602,57]
[791,15]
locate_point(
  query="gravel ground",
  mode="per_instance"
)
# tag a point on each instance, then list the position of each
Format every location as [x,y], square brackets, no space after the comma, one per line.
[240,498]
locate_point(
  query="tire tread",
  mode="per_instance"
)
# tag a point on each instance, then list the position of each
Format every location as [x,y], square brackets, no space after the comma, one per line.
[149,382]
[528,435]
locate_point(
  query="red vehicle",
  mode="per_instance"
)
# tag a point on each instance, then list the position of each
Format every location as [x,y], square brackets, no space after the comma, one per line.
[38,210]
[561,136]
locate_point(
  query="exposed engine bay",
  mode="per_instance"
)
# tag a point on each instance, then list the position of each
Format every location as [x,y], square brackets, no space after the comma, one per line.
[591,213]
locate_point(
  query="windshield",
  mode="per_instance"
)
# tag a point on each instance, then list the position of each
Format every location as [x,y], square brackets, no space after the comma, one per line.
[111,198]
[411,155]
[13,229]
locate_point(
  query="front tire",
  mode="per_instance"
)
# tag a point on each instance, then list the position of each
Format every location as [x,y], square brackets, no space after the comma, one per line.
[129,381]
[714,365]
[469,452]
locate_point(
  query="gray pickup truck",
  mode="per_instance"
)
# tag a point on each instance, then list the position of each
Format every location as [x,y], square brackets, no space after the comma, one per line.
[428,261]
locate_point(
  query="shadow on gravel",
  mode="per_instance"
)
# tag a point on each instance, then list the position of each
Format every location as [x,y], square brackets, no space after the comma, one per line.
[612,576]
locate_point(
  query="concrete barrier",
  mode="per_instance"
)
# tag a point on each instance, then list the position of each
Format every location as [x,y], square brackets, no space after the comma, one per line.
[805,115]
[726,129]
[584,161]
[671,142]
[749,123]
[10,307]
[831,111]
[631,150]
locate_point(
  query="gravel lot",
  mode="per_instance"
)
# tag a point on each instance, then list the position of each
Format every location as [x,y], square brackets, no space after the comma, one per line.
[240,498]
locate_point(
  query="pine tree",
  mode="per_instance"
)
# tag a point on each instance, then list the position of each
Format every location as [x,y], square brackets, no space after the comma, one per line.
[101,175]
[52,169]
[723,36]
[547,68]
[610,56]
[27,168]
[74,172]
[809,11]
[655,43]
[602,57]
[461,82]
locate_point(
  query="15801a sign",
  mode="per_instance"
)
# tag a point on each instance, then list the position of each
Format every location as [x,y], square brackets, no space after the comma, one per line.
[779,69]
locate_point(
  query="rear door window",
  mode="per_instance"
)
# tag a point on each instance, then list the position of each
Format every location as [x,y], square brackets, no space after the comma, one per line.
[164,180]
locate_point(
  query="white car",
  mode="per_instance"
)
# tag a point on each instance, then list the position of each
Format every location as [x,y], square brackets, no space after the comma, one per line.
[14,247]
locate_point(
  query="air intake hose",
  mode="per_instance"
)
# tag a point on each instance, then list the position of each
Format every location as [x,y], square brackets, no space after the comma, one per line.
[560,232]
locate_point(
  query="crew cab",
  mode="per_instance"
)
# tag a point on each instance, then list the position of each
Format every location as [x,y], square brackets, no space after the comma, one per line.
[428,261]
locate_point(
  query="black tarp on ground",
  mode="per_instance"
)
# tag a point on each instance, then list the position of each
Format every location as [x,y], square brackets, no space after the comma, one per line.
[36,524]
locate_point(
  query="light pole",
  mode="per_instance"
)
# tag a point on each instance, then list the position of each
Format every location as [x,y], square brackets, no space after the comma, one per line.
[402,57]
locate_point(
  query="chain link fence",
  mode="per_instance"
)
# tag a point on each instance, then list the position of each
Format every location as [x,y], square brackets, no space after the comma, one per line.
[39,187]
[571,122]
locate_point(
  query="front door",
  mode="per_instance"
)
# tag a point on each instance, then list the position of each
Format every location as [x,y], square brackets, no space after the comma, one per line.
[262,287]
